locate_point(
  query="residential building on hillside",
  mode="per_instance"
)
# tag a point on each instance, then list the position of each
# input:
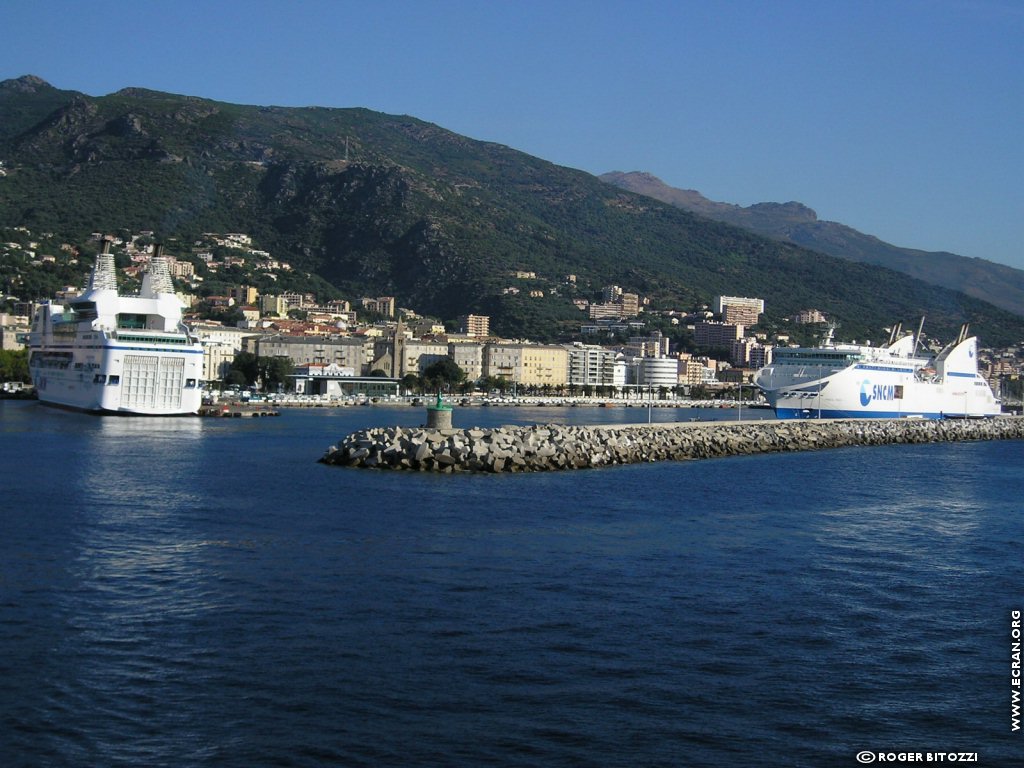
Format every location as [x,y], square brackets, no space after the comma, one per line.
[604,311]
[761,355]
[749,352]
[244,294]
[653,345]
[426,326]
[610,294]
[711,334]
[382,305]
[608,327]
[809,317]
[475,325]
[738,309]
[298,300]
[182,269]
[630,303]
[615,304]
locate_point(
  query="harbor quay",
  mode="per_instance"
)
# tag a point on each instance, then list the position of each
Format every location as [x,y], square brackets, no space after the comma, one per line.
[547,447]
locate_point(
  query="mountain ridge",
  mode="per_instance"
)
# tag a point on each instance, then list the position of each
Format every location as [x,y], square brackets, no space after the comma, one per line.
[795,222]
[383,204]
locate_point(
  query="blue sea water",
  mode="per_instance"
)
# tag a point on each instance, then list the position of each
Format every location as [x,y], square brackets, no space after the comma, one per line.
[201,592]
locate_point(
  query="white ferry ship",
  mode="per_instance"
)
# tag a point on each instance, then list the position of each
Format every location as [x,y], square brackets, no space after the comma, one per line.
[106,353]
[855,381]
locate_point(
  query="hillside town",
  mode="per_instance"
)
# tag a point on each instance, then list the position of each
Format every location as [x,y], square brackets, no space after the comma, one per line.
[368,346]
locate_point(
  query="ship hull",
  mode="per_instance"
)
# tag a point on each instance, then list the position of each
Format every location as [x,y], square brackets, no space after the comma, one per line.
[119,380]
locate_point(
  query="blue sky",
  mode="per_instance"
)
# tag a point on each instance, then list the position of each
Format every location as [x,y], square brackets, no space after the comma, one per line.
[901,118]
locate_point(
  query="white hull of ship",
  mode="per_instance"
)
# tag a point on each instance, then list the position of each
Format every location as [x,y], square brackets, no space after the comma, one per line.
[859,393]
[151,382]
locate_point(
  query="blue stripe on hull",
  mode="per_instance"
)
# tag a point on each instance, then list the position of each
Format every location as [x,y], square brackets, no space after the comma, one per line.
[813,413]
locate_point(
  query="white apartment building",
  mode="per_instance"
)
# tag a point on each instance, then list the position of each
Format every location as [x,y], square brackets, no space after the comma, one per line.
[594,366]
[719,303]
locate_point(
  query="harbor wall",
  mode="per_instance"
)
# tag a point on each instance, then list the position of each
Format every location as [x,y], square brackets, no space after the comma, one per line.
[548,447]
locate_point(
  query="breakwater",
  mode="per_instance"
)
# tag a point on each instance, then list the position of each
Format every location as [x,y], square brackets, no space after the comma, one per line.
[548,447]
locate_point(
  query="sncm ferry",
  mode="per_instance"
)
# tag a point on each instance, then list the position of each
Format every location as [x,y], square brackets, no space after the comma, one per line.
[106,353]
[835,381]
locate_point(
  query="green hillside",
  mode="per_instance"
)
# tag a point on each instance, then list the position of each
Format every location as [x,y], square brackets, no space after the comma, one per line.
[382,204]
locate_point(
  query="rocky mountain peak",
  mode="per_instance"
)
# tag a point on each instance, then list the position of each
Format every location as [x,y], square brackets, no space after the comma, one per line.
[792,211]
[25,84]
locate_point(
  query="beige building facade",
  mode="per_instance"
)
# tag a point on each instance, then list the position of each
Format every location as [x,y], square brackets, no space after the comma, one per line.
[220,345]
[527,364]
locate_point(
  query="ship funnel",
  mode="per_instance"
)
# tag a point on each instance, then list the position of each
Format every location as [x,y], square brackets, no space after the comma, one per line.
[894,333]
[104,273]
[157,279]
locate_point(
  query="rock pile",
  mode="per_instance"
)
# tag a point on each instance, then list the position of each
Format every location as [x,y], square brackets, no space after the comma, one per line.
[552,446]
